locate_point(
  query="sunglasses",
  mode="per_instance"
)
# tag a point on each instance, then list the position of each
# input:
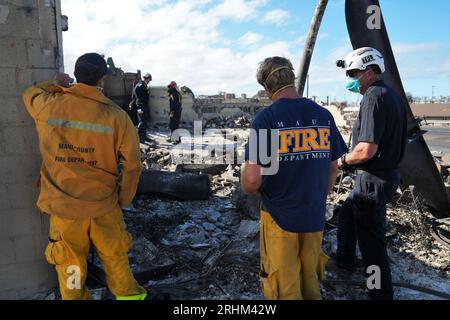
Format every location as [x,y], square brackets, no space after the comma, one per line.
[355,73]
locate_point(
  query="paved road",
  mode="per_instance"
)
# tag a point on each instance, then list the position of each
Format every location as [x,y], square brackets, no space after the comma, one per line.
[438,139]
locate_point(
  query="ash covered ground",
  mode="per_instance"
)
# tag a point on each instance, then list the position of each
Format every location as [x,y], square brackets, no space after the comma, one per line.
[209,249]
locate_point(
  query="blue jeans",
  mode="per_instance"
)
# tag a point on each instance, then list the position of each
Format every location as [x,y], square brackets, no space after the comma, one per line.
[362,220]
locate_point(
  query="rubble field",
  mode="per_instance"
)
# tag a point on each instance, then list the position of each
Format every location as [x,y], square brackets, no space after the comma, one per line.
[209,249]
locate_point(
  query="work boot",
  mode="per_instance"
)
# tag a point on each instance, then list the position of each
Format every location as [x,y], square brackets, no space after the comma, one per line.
[349,267]
[145,139]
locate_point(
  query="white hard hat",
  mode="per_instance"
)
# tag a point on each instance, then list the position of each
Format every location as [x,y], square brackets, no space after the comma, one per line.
[361,58]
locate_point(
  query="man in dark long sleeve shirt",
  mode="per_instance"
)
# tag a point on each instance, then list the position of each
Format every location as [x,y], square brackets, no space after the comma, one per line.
[140,97]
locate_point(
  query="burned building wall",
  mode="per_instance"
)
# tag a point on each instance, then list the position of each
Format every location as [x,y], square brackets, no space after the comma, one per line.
[119,88]
[198,109]
[159,106]
[30,51]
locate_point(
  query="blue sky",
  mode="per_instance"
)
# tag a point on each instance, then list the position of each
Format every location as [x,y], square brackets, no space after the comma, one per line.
[214,46]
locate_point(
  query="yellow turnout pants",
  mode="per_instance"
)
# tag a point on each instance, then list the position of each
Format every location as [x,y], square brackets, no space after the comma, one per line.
[292,264]
[69,247]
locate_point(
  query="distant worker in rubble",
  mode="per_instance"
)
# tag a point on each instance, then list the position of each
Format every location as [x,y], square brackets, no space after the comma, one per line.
[175,103]
[139,106]
[83,136]
[294,199]
[379,141]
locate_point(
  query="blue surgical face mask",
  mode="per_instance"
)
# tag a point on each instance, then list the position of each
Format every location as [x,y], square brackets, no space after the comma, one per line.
[353,84]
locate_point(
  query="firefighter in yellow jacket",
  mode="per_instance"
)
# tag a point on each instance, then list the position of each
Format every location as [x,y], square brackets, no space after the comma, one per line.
[83,138]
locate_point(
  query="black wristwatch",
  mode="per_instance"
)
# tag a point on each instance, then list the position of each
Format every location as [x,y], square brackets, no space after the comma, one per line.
[345,164]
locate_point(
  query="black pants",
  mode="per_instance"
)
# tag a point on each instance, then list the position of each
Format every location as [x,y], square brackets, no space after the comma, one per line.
[132,112]
[174,121]
[143,119]
[362,220]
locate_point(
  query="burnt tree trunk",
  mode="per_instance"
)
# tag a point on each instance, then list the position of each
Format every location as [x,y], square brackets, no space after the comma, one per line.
[179,185]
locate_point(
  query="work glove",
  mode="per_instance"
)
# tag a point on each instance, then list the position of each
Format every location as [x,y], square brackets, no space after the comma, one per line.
[64,80]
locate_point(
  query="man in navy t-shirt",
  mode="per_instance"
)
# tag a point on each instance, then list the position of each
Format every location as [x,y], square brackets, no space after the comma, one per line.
[302,138]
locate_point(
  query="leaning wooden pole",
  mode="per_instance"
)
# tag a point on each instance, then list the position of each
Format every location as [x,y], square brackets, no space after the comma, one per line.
[309,45]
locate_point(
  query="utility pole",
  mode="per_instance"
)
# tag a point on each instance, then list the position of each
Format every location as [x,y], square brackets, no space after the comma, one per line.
[432,93]
[307,86]
[309,45]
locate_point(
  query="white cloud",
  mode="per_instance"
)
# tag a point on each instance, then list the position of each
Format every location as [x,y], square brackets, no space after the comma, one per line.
[277,17]
[410,59]
[183,40]
[326,71]
[302,40]
[408,48]
[178,41]
[250,39]
[326,79]
[237,9]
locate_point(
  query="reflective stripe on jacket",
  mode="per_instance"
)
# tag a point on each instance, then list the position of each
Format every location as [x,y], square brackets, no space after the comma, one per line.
[82,137]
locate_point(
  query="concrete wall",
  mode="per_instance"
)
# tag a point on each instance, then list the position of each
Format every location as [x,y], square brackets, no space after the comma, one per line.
[338,115]
[159,106]
[198,109]
[119,88]
[30,50]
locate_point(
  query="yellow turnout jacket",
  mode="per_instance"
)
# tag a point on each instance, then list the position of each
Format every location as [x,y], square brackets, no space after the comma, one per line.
[82,137]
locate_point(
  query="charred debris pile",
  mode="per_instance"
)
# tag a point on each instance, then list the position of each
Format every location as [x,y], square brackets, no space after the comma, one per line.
[196,235]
